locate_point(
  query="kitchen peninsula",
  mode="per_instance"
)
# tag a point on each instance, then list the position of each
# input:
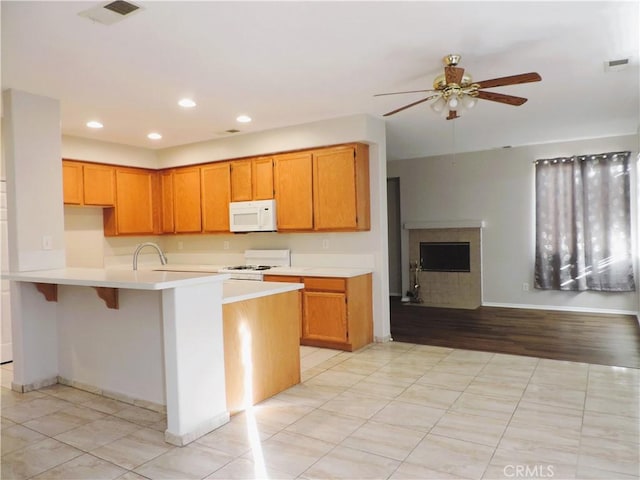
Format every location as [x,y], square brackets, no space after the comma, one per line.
[152,338]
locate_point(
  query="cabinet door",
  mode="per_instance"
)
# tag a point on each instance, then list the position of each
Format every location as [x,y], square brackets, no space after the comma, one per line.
[72,183]
[334,189]
[262,174]
[166,187]
[186,200]
[293,186]
[241,180]
[134,210]
[99,185]
[215,197]
[325,316]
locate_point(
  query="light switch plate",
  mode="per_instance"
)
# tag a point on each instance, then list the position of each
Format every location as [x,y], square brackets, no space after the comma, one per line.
[47,242]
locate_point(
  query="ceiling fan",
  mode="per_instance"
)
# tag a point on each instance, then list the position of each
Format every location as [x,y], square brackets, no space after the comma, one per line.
[454,88]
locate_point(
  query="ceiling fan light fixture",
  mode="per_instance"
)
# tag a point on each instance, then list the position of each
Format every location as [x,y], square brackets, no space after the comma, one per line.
[453,102]
[439,104]
[469,102]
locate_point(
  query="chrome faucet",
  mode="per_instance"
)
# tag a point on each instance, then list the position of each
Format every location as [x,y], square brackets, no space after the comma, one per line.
[163,258]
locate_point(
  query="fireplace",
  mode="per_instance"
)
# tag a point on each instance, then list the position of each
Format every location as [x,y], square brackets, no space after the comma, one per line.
[445,257]
[450,264]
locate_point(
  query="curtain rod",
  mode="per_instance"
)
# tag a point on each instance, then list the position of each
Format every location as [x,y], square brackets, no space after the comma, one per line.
[592,156]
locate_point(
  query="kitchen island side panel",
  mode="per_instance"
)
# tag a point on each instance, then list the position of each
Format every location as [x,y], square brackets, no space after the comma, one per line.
[261,348]
[120,351]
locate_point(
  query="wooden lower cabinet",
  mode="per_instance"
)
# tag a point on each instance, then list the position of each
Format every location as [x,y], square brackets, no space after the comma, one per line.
[261,348]
[336,312]
[325,317]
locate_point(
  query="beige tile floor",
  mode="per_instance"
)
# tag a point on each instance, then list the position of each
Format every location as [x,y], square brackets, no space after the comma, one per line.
[395,410]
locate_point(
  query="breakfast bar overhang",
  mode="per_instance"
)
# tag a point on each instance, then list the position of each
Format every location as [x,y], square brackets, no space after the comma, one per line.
[160,344]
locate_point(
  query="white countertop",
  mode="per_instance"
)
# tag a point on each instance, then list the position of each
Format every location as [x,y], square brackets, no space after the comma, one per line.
[238,290]
[293,271]
[318,271]
[117,278]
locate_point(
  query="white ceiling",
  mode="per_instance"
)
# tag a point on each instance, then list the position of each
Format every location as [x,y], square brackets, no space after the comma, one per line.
[286,63]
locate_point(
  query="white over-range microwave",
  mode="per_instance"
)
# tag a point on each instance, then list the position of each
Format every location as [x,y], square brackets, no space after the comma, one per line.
[254,216]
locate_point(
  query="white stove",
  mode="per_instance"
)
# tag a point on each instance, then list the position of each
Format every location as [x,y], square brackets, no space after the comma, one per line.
[257,262]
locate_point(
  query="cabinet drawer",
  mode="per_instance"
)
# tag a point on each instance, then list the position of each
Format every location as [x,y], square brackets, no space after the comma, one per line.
[282,278]
[326,284]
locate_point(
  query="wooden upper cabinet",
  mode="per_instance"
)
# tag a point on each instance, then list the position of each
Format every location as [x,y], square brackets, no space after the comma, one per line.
[134,212]
[241,188]
[341,188]
[88,184]
[252,179]
[294,191]
[186,200]
[262,175]
[167,225]
[99,185]
[72,185]
[216,182]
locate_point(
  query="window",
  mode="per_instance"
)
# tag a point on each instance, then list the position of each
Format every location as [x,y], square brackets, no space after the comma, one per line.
[583,223]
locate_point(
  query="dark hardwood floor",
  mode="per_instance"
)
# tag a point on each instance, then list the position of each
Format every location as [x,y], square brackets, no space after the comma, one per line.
[578,337]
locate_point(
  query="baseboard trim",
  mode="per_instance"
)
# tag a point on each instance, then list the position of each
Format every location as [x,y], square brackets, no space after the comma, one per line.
[384,339]
[608,311]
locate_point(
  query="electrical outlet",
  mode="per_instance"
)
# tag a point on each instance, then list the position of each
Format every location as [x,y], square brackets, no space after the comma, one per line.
[47,242]
[225,245]
[525,287]
[325,244]
[180,245]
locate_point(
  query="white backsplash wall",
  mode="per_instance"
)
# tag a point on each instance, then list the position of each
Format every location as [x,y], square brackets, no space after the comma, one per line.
[83,236]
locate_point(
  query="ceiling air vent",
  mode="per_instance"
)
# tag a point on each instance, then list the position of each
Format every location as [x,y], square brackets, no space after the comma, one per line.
[122,7]
[615,65]
[110,13]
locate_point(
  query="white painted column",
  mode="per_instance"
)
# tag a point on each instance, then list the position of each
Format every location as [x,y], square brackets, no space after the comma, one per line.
[35,214]
[35,338]
[194,361]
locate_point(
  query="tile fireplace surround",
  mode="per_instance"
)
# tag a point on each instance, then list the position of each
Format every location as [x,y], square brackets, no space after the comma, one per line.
[448,289]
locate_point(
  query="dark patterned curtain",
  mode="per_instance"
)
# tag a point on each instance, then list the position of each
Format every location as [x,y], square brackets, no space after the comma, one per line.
[583,223]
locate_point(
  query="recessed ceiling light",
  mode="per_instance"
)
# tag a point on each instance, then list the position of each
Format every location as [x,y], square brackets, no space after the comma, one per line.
[243,119]
[154,136]
[187,103]
[94,124]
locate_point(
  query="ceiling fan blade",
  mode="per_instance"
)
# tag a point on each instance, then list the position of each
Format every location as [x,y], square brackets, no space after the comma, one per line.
[501,98]
[399,93]
[453,74]
[410,105]
[511,80]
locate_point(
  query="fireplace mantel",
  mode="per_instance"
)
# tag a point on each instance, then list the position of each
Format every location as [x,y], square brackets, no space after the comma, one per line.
[444,224]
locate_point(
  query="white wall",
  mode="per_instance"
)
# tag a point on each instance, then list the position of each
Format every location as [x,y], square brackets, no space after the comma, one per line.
[77,148]
[32,145]
[497,186]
